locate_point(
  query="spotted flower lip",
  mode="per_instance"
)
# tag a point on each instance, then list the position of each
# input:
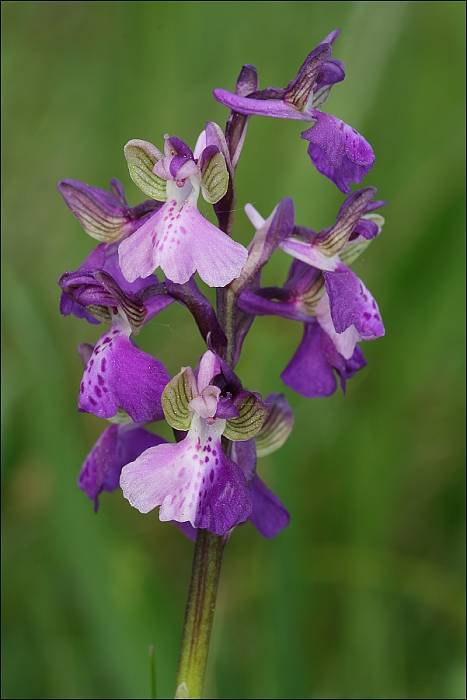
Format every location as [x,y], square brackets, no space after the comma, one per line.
[192,481]
[177,238]
[268,515]
[337,150]
[120,377]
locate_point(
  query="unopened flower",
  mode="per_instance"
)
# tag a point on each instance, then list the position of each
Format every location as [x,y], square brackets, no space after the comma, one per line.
[98,286]
[194,480]
[336,149]
[177,238]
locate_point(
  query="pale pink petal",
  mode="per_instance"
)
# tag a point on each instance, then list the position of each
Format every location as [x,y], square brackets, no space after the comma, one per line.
[308,253]
[209,366]
[137,254]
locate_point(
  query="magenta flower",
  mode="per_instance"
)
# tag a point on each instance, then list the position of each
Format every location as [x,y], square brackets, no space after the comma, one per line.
[177,238]
[194,481]
[322,292]
[335,148]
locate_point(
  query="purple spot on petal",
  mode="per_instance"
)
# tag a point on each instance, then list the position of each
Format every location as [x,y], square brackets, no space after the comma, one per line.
[92,401]
[211,475]
[97,391]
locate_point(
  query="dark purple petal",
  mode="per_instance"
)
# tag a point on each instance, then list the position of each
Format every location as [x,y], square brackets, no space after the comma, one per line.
[118,445]
[119,376]
[244,454]
[338,151]
[301,277]
[69,306]
[352,304]
[331,72]
[310,372]
[268,515]
[179,147]
[176,165]
[365,228]
[226,408]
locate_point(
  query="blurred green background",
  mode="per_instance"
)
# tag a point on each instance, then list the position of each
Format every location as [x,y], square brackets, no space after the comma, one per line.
[362,596]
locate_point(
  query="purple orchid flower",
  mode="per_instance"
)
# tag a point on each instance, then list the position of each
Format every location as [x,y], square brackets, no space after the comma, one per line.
[268,515]
[321,291]
[177,238]
[118,445]
[335,148]
[194,481]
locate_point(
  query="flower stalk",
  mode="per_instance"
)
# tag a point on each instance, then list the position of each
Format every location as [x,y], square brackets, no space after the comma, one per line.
[199,614]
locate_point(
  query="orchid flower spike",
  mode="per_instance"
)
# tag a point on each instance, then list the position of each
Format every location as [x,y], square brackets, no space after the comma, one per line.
[177,238]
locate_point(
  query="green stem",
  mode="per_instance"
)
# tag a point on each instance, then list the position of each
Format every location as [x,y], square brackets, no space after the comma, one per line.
[199,614]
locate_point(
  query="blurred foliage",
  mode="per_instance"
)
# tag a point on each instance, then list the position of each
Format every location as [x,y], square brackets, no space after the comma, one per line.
[362,596]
